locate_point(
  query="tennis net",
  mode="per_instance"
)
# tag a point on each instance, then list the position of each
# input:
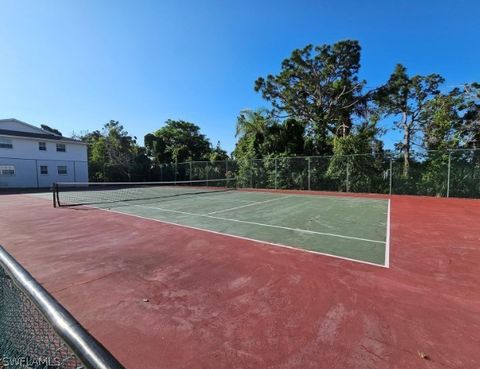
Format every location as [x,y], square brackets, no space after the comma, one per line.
[92,193]
[37,332]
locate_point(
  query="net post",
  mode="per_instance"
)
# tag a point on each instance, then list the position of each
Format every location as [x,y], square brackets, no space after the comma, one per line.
[391,176]
[448,172]
[309,173]
[54,194]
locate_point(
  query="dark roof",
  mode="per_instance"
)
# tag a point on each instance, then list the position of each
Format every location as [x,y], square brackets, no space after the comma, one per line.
[45,136]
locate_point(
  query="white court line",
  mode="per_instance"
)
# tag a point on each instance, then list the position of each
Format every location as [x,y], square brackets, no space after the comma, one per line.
[262,224]
[241,237]
[251,204]
[296,249]
[387,242]
[218,198]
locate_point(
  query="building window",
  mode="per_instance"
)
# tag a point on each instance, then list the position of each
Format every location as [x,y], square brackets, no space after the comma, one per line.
[43,169]
[61,148]
[62,169]
[7,170]
[42,146]
[6,143]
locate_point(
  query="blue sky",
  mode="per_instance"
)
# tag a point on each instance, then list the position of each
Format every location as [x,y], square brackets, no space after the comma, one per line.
[77,64]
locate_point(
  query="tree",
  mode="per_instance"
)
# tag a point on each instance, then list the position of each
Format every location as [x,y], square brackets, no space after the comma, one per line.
[440,121]
[253,129]
[351,166]
[178,141]
[406,97]
[470,131]
[96,154]
[114,155]
[218,153]
[292,138]
[319,86]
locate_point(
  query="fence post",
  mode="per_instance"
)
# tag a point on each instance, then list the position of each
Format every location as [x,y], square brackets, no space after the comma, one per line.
[275,173]
[226,168]
[391,177]
[190,171]
[348,174]
[309,173]
[175,172]
[251,173]
[448,174]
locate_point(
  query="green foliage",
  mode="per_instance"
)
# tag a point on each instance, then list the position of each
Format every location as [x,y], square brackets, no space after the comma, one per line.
[256,132]
[470,129]
[261,136]
[351,168]
[320,132]
[406,97]
[180,141]
[319,86]
[432,180]
[176,144]
[218,153]
[440,122]
[292,173]
[465,173]
[113,155]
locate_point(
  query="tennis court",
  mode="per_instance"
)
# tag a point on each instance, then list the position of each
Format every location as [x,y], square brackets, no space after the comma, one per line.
[345,227]
[184,276]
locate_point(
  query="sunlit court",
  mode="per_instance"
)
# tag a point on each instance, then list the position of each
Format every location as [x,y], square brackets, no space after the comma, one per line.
[345,227]
[206,265]
[239,185]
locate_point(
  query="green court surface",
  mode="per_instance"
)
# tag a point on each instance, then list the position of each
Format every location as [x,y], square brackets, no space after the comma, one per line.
[346,227]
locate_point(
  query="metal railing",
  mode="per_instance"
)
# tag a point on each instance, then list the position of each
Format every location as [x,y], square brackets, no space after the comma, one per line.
[37,332]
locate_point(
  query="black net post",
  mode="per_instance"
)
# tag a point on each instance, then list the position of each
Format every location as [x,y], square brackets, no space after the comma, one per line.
[54,194]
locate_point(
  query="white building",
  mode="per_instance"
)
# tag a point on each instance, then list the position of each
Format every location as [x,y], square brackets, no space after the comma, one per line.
[31,157]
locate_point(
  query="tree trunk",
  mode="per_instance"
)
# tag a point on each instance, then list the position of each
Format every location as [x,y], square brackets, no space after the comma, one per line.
[406,150]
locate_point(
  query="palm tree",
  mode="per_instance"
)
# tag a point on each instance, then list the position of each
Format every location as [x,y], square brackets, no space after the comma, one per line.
[253,122]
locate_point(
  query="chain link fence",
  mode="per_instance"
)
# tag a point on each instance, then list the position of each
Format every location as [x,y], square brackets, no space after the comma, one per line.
[37,332]
[452,173]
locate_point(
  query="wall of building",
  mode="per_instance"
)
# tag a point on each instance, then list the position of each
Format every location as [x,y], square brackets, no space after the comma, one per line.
[28,159]
[81,171]
[25,174]
[28,173]
[26,148]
